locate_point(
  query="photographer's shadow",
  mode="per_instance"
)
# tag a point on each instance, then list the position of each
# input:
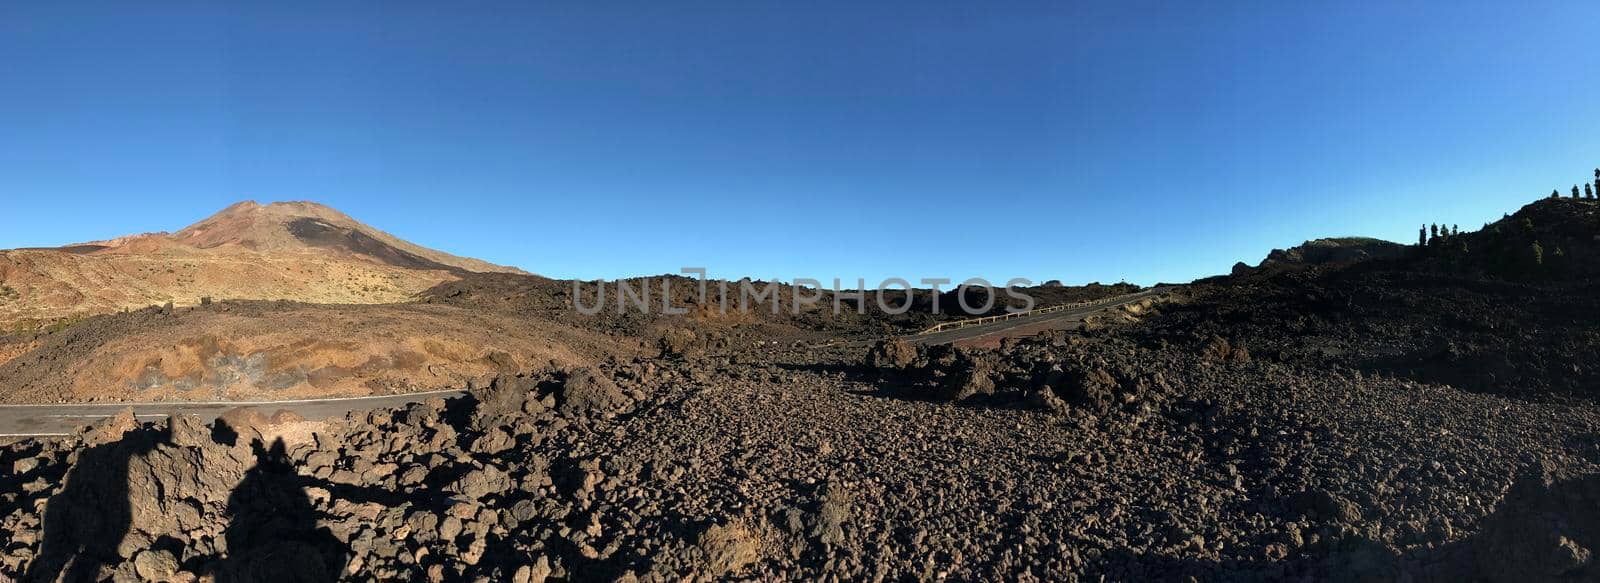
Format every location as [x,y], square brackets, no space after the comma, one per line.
[272,531]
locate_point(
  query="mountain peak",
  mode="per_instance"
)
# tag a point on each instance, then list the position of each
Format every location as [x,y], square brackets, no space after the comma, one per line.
[303,225]
[295,250]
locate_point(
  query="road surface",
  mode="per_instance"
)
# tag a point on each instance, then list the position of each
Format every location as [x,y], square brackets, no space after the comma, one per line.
[1019,326]
[1029,324]
[64,419]
[47,420]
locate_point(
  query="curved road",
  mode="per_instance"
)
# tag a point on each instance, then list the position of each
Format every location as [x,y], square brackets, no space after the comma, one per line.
[58,419]
[1030,324]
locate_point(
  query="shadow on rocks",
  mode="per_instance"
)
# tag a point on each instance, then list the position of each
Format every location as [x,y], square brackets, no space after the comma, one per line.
[272,532]
[85,524]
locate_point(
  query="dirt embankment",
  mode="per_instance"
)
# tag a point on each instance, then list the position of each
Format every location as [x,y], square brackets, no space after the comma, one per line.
[282,350]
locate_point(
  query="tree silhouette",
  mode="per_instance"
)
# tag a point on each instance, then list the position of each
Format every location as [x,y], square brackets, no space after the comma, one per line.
[1574,191]
[1555,194]
[1588,191]
[1422,236]
[1455,230]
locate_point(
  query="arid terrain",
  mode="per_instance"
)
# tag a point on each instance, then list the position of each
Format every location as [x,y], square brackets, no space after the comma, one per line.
[296,300]
[1347,410]
[298,251]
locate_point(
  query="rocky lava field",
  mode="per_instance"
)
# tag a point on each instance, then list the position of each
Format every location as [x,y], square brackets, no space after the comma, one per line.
[1425,415]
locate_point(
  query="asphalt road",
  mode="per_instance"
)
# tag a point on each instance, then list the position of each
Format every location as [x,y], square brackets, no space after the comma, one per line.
[1040,321]
[64,419]
[1031,323]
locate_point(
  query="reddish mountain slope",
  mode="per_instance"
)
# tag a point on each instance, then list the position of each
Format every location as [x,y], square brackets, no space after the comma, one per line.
[299,251]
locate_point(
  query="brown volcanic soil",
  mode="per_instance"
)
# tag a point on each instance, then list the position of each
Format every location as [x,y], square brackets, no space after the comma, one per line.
[297,251]
[282,350]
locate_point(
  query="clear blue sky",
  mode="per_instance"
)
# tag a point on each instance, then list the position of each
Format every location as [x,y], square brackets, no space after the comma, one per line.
[1091,141]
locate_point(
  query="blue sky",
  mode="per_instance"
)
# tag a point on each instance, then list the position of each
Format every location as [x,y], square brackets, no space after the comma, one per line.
[1145,141]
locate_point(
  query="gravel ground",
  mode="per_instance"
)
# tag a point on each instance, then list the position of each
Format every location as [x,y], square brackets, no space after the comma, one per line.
[812,466]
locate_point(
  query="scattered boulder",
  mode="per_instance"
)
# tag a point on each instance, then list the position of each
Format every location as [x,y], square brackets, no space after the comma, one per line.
[110,429]
[1093,388]
[585,391]
[187,430]
[1324,505]
[155,565]
[506,395]
[833,512]
[893,354]
[1044,398]
[1219,350]
[495,441]
[971,375]
[681,342]
[481,482]
[728,548]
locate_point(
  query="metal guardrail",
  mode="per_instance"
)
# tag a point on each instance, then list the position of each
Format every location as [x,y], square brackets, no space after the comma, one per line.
[959,324]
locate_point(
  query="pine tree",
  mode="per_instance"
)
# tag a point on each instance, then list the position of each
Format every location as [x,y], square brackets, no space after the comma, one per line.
[1538,254]
[1588,192]
[1574,191]
[1433,233]
[1555,194]
[1422,236]
[1455,230]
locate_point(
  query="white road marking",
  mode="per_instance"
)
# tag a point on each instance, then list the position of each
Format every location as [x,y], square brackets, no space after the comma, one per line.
[105,415]
[167,408]
[233,403]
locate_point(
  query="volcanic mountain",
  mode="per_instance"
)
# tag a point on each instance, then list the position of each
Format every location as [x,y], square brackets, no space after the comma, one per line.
[300,251]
